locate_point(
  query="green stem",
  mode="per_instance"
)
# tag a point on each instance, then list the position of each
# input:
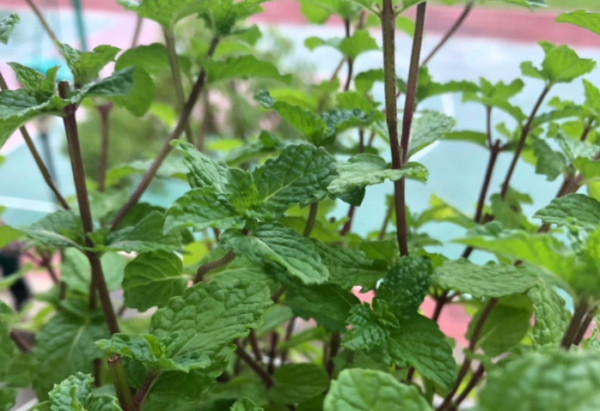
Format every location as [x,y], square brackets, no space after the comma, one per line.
[117,371]
[166,148]
[176,77]
[85,212]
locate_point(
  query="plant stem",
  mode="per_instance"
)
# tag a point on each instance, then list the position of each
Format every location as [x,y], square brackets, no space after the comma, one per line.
[494,151]
[450,33]
[137,31]
[85,212]
[255,347]
[400,153]
[38,159]
[580,311]
[142,393]
[104,111]
[289,330]
[176,77]
[334,347]
[166,148]
[585,324]
[348,224]
[43,21]
[227,258]
[472,346]
[117,371]
[273,352]
[350,60]
[471,385]
[264,376]
[524,133]
[312,219]
[386,222]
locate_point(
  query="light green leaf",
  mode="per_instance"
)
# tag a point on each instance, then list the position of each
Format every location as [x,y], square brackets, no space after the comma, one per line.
[165,12]
[86,66]
[492,280]
[476,137]
[586,19]
[140,98]
[200,209]
[589,169]
[549,162]
[223,15]
[427,88]
[298,382]
[419,341]
[428,128]
[244,67]
[152,58]
[369,390]
[245,404]
[208,317]
[552,381]
[299,175]
[283,245]
[266,144]
[573,148]
[76,270]
[506,326]
[64,346]
[7,25]
[35,81]
[368,169]
[146,235]
[119,84]
[542,250]
[551,316]
[203,171]
[75,394]
[363,82]
[561,65]
[573,210]
[8,235]
[441,211]
[8,397]
[152,279]
[171,168]
[60,229]
[351,47]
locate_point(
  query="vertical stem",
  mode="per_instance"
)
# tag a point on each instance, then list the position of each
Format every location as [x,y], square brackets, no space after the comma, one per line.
[137,31]
[264,376]
[43,21]
[524,133]
[471,385]
[289,330]
[37,158]
[98,279]
[117,371]
[312,218]
[254,345]
[450,33]
[273,352]
[166,148]
[400,153]
[386,221]
[580,310]
[494,150]
[104,111]
[585,324]
[334,347]
[348,224]
[176,77]
[350,60]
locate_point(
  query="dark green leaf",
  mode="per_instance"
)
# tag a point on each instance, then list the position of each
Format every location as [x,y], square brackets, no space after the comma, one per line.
[7,25]
[298,382]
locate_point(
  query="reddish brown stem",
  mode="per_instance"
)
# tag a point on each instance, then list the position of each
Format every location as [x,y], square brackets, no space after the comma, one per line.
[264,376]
[204,269]
[104,111]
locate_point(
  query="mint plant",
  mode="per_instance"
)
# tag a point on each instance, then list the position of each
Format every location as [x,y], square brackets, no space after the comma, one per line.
[243,294]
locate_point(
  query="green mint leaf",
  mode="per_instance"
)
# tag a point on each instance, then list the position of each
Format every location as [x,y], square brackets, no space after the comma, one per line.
[150,351]
[64,346]
[300,175]
[240,269]
[589,169]
[364,81]
[245,404]
[295,383]
[586,19]
[274,317]
[202,208]
[244,67]
[367,332]
[8,398]
[530,4]
[152,58]
[75,393]
[441,211]
[350,100]
[492,280]
[60,229]
[573,148]
[420,342]
[561,65]
[368,169]
[497,96]
[273,242]
[165,12]
[7,25]
[405,24]
[549,162]
[266,144]
[350,267]
[152,279]
[139,99]
[86,66]
[351,47]
[146,60]
[119,84]
[35,81]
[541,250]
[223,15]
[428,128]
[203,171]
[553,381]
[592,97]
[171,168]
[506,326]
[76,270]
[208,317]
[427,88]
[551,316]
[8,235]
[146,235]
[573,210]
[404,288]
[369,390]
